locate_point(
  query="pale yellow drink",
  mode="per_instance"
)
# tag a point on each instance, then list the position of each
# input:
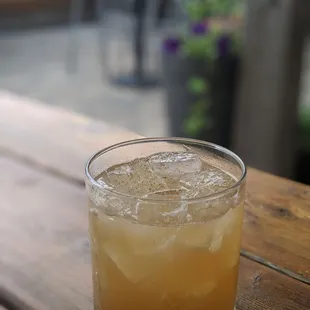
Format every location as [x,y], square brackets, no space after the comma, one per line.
[167,251]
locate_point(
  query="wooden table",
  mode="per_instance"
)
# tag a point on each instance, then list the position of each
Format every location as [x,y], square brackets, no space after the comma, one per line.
[44,256]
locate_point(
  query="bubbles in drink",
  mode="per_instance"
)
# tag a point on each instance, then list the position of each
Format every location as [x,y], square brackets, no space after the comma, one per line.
[173,177]
[184,175]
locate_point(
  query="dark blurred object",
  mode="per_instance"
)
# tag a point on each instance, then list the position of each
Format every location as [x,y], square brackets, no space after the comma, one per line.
[162,10]
[222,80]
[76,14]
[303,157]
[141,10]
[303,166]
[138,77]
[11,302]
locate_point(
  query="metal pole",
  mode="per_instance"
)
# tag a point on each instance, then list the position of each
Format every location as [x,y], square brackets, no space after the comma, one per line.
[138,78]
[139,38]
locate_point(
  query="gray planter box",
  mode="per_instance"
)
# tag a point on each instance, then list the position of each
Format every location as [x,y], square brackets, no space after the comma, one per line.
[177,71]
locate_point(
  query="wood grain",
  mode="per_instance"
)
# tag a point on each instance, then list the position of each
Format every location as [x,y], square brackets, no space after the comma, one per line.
[45,255]
[265,289]
[277,220]
[43,238]
[48,135]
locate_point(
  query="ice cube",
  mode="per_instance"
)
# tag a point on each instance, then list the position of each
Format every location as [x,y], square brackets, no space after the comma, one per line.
[146,240]
[139,250]
[135,178]
[172,212]
[223,226]
[196,235]
[174,164]
[123,169]
[217,239]
[134,267]
[209,181]
[158,172]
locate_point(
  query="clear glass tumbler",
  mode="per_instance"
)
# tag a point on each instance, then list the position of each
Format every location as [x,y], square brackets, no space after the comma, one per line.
[157,250]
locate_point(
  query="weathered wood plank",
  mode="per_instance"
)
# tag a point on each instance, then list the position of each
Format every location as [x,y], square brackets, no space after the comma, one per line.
[277,221]
[45,254]
[43,238]
[265,289]
[53,137]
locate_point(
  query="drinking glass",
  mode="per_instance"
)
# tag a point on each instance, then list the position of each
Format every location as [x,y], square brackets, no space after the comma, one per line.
[164,252]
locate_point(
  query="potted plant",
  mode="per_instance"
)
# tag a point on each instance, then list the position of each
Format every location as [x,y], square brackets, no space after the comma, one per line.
[303,157]
[200,67]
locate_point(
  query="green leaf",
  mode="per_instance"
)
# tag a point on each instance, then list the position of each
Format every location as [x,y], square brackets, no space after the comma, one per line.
[193,126]
[236,43]
[199,119]
[197,85]
[201,106]
[198,9]
[304,127]
[204,47]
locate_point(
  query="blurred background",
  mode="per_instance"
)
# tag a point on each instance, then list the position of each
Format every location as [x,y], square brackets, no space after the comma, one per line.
[231,72]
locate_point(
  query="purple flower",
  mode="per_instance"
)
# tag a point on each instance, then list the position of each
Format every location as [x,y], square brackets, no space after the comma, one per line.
[200,28]
[224,45]
[172,45]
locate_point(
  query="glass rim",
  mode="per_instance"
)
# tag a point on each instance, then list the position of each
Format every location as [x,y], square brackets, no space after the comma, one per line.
[201,143]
